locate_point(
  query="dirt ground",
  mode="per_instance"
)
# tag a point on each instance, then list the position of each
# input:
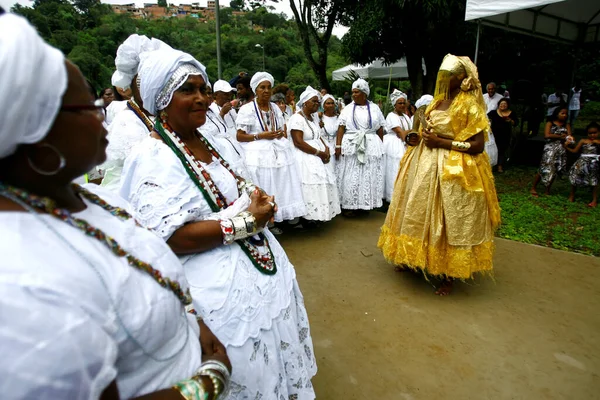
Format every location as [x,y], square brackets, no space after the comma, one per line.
[533,333]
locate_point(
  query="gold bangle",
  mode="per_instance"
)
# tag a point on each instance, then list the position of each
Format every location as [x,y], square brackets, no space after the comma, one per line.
[191,389]
[460,146]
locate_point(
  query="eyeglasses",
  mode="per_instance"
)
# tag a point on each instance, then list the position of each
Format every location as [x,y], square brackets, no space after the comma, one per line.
[97,106]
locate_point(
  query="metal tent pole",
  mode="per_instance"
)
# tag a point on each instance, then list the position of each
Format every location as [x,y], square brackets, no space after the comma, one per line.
[477,41]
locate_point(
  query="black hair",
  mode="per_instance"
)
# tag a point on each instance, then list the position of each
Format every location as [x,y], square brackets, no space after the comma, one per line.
[244,81]
[591,125]
[105,89]
[557,111]
[506,99]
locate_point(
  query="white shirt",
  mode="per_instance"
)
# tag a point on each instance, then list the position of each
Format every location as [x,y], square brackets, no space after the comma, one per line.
[553,98]
[74,315]
[229,118]
[575,103]
[492,102]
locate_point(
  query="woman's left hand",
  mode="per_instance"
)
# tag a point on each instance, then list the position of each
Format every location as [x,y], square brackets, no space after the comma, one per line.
[209,342]
[430,139]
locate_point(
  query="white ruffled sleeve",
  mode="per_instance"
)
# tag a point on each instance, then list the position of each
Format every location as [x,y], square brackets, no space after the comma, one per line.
[67,356]
[344,115]
[246,118]
[378,118]
[296,122]
[159,189]
[392,121]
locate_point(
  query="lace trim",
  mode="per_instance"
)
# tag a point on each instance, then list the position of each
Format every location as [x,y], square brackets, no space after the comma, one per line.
[442,260]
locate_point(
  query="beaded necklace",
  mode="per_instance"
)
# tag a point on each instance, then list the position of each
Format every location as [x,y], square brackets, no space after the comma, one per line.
[48,206]
[368,110]
[329,135]
[133,106]
[308,122]
[265,263]
[267,124]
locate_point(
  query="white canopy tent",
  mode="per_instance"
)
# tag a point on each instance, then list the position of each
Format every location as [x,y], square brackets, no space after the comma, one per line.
[375,70]
[567,21]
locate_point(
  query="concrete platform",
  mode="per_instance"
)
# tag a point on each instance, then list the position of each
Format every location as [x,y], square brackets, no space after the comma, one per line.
[533,333]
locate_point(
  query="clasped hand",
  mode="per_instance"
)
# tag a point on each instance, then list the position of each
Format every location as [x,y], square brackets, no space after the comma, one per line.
[271,135]
[263,207]
[430,139]
[325,156]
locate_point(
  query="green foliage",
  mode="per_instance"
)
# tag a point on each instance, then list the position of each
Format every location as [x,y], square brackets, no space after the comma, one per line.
[89,34]
[550,221]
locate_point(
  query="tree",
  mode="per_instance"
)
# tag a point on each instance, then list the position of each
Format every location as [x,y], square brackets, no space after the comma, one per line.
[162,3]
[417,30]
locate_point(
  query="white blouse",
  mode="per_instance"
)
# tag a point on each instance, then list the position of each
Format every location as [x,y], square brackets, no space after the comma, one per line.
[75,317]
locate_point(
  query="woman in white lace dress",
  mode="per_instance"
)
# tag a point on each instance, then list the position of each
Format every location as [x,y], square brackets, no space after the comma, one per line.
[93,305]
[359,150]
[132,125]
[398,126]
[329,120]
[241,280]
[313,157]
[269,154]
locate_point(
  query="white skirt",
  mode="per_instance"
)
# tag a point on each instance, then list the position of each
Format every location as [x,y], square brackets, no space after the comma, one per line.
[491,149]
[271,165]
[318,184]
[361,185]
[260,319]
[394,149]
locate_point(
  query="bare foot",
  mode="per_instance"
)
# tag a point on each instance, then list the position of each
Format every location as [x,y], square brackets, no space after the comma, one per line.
[445,288]
[592,204]
[571,198]
[534,193]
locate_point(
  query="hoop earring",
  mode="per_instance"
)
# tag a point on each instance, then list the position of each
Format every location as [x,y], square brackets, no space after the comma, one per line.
[61,162]
[164,116]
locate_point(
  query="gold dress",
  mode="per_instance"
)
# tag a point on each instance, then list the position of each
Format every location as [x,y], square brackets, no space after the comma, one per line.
[444,209]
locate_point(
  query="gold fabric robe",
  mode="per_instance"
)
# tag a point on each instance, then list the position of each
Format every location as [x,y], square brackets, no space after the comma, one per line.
[444,209]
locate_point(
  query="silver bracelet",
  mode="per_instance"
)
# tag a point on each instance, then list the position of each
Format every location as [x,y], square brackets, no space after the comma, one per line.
[239,228]
[216,366]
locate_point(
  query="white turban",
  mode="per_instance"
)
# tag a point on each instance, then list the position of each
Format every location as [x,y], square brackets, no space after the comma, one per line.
[162,72]
[128,58]
[308,94]
[424,100]
[397,94]
[361,85]
[327,97]
[33,81]
[259,77]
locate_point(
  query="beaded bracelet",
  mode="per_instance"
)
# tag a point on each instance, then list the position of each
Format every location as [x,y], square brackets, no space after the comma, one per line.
[217,380]
[191,389]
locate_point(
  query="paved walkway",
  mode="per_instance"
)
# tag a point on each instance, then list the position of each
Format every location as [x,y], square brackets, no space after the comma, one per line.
[532,334]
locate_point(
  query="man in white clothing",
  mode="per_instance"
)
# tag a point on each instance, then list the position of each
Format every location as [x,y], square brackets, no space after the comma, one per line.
[491,98]
[222,94]
[556,99]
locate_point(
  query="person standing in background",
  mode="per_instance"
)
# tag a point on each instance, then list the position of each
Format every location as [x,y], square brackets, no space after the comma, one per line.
[244,92]
[223,105]
[574,104]
[491,98]
[556,99]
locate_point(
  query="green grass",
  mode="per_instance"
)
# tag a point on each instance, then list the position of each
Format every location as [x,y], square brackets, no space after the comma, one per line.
[550,221]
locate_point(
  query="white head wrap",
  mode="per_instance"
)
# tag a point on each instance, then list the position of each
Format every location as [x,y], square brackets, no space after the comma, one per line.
[327,97]
[361,85]
[397,94]
[424,100]
[259,77]
[308,94]
[162,72]
[128,58]
[33,82]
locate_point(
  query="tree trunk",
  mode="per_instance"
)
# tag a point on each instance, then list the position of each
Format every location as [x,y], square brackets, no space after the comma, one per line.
[415,71]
